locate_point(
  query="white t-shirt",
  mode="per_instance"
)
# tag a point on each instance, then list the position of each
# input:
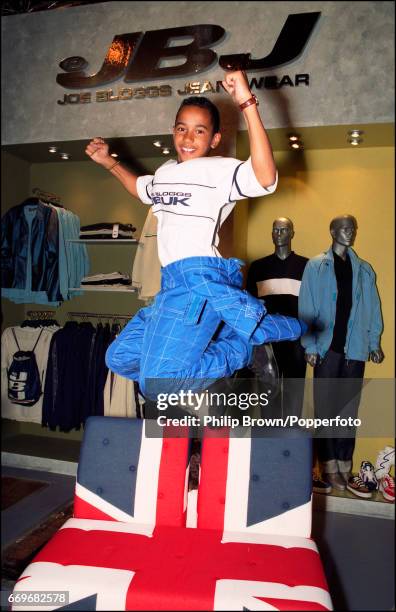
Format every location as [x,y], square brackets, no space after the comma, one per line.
[192,199]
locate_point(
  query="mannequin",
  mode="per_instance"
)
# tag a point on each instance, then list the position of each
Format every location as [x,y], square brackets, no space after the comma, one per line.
[344,333]
[277,279]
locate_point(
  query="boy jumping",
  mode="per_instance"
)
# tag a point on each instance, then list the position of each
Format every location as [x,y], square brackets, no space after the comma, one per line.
[201,326]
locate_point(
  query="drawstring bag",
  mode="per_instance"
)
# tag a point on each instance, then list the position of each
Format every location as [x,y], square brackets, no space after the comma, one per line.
[24,383]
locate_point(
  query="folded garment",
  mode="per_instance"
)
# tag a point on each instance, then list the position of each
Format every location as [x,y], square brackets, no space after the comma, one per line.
[108,236]
[107,279]
[108,286]
[107,230]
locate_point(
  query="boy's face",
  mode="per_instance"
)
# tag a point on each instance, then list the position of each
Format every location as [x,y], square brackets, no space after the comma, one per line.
[193,133]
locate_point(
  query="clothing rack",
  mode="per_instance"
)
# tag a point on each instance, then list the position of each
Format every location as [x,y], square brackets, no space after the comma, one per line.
[45,195]
[40,315]
[97,315]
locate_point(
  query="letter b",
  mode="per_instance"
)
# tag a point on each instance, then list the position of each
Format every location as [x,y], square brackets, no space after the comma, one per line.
[153,49]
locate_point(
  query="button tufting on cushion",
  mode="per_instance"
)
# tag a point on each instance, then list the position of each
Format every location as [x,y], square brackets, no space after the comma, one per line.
[132,468]
[99,490]
[106,441]
[286,453]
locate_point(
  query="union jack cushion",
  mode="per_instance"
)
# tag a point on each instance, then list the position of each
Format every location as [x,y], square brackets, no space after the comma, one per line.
[106,566]
[256,484]
[125,475]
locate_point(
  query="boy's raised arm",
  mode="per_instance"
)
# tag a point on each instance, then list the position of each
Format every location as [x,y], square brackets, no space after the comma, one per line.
[236,84]
[98,151]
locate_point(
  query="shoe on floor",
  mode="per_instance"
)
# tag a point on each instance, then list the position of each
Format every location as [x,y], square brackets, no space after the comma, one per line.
[385,460]
[320,486]
[335,480]
[387,487]
[345,476]
[367,474]
[357,487]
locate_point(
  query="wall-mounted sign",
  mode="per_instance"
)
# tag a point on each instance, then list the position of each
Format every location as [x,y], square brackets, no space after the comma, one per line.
[191,88]
[137,56]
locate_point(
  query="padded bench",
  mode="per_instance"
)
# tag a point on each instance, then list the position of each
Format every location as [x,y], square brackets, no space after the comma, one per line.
[128,547]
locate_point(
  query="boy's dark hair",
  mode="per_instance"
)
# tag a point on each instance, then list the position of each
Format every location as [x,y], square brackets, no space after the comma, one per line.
[203,103]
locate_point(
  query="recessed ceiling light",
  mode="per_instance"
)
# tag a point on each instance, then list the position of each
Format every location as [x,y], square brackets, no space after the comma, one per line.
[355,141]
[157,143]
[293,137]
[53,149]
[114,154]
[355,133]
[64,155]
[296,145]
[165,150]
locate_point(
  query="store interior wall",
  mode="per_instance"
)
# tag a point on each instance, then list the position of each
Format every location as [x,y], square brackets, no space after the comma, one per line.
[314,187]
[95,196]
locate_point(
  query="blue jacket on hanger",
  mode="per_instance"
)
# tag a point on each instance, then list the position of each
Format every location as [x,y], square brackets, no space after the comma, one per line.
[30,251]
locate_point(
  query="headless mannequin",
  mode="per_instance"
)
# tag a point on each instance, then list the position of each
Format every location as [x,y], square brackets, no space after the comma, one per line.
[343,231]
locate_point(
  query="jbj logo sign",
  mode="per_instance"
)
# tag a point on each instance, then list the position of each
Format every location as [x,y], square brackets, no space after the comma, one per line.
[137,56]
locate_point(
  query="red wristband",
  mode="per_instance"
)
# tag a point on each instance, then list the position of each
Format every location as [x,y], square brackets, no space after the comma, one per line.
[252,100]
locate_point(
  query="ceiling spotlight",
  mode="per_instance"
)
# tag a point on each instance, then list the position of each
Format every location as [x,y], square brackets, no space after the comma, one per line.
[355,133]
[53,149]
[355,141]
[165,150]
[64,155]
[296,145]
[114,154]
[157,143]
[293,137]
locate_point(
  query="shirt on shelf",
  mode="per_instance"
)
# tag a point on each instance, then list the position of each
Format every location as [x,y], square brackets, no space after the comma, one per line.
[103,231]
[107,279]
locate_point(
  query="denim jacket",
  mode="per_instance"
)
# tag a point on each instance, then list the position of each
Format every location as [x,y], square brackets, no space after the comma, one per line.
[41,239]
[317,307]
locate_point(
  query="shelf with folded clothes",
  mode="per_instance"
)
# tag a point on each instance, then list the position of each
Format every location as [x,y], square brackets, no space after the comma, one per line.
[110,281]
[103,288]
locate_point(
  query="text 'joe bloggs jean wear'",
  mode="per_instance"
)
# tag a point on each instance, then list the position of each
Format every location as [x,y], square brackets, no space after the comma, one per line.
[181,338]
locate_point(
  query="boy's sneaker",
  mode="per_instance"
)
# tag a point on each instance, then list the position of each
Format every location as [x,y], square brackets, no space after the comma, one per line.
[385,460]
[357,487]
[367,475]
[387,487]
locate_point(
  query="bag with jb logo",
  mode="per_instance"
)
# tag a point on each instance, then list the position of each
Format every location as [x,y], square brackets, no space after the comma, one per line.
[24,383]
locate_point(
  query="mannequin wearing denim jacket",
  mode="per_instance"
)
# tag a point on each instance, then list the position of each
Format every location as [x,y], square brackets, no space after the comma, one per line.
[324,284]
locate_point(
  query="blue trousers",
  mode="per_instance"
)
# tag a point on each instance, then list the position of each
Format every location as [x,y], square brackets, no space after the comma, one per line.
[201,326]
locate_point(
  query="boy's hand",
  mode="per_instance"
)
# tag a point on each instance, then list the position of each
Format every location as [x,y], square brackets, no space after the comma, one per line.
[236,84]
[98,150]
